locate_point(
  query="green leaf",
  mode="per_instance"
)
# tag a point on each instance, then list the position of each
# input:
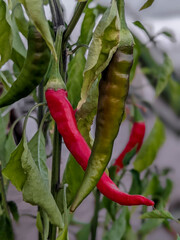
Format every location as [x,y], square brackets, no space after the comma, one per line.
[149,225]
[6,232]
[118,227]
[141,26]
[136,187]
[164,75]
[75,77]
[72,176]
[39,223]
[5,34]
[38,150]
[136,55]
[84,232]
[147,4]
[4,81]
[42,224]
[14,170]
[88,25]
[14,210]
[77,64]
[128,156]
[35,12]
[149,149]
[2,140]
[24,174]
[9,145]
[158,214]
[17,45]
[64,234]
[21,21]
[104,43]
[178,237]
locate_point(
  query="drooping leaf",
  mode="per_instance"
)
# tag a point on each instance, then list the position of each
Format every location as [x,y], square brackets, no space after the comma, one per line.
[158,214]
[38,151]
[164,75]
[118,227]
[104,43]
[14,210]
[17,45]
[35,12]
[18,15]
[6,232]
[77,64]
[149,149]
[147,4]
[24,174]
[5,34]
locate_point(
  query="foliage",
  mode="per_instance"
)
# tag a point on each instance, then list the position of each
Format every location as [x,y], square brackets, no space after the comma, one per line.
[24,163]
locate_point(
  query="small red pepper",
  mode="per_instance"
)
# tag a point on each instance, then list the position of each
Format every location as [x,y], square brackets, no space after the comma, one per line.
[135,139]
[63,114]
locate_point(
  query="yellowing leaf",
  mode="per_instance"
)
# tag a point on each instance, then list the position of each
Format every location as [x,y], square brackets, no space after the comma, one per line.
[104,43]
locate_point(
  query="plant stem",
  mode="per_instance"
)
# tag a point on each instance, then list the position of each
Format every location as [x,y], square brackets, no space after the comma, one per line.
[40,100]
[94,221]
[57,15]
[55,177]
[74,20]
[40,117]
[3,195]
[121,11]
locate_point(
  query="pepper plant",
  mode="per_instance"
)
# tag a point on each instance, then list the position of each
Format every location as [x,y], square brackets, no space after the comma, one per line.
[72,82]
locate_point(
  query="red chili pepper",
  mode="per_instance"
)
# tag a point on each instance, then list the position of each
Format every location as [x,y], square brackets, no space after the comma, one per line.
[63,114]
[135,139]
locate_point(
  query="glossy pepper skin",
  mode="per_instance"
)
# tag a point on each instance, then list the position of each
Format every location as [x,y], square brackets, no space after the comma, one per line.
[63,114]
[113,90]
[33,70]
[135,140]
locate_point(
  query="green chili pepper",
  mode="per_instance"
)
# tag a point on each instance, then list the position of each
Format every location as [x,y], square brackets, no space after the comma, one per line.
[33,70]
[113,90]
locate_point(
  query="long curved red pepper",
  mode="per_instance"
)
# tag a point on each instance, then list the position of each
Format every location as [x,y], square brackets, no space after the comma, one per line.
[63,114]
[135,140]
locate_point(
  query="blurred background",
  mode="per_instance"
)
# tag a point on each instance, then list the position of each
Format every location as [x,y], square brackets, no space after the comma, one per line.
[163,15]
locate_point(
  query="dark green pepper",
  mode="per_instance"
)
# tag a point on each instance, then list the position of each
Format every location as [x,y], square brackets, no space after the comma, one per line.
[33,70]
[113,90]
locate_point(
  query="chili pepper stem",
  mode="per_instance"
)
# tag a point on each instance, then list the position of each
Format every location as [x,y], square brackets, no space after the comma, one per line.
[3,195]
[55,177]
[94,221]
